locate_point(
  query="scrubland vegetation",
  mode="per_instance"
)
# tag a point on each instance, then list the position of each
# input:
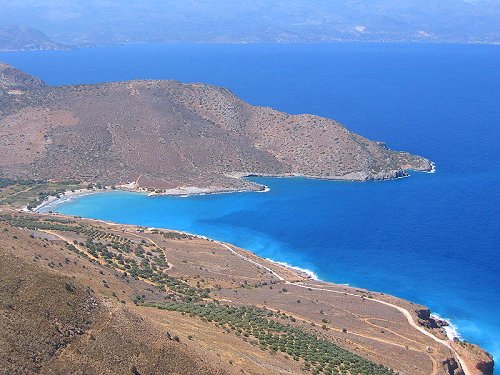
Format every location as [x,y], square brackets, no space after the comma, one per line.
[270,331]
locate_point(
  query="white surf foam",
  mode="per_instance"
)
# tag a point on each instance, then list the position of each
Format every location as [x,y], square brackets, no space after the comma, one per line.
[450,330]
[308,272]
[433,168]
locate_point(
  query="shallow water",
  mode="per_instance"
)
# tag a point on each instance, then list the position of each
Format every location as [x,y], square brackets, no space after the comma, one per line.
[430,238]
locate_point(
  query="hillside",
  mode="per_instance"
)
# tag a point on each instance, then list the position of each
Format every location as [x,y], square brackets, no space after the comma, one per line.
[166,134]
[86,297]
[22,38]
[51,323]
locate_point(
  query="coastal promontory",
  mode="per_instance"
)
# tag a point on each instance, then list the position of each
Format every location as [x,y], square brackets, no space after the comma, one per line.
[166,134]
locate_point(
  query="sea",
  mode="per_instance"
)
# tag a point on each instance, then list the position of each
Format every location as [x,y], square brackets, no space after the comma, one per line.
[432,238]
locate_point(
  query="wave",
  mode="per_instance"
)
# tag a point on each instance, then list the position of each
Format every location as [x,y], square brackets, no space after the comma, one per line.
[451,330]
[433,168]
[307,271]
[265,190]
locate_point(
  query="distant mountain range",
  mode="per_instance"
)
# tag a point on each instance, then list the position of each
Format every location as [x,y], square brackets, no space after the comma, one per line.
[14,38]
[96,22]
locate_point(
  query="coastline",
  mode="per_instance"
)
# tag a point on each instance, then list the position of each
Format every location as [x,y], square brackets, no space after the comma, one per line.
[187,191]
[64,197]
[181,192]
[445,327]
[471,313]
[307,272]
[449,329]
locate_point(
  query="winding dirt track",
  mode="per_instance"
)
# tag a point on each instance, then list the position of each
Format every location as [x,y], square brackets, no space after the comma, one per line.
[404,311]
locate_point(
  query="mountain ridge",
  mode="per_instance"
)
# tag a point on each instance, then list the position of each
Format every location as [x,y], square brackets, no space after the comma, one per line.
[23,38]
[259,21]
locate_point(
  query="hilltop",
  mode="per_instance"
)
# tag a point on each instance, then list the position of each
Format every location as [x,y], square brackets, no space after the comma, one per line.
[167,134]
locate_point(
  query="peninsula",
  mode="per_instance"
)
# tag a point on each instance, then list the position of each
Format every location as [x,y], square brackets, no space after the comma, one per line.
[165,134]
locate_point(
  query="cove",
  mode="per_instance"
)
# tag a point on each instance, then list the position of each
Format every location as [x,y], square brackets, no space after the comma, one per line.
[363,234]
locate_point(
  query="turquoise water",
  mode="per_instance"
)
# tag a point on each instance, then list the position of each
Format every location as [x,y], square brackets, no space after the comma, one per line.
[430,238]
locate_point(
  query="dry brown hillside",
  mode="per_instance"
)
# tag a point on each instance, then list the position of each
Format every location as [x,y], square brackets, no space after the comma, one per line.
[52,324]
[173,134]
[85,297]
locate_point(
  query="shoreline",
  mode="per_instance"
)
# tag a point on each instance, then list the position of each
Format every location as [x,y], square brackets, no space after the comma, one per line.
[64,197]
[446,327]
[188,191]
[301,270]
[82,47]
[69,195]
[450,330]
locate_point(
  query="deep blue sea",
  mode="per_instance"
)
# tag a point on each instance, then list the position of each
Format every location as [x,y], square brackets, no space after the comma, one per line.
[430,238]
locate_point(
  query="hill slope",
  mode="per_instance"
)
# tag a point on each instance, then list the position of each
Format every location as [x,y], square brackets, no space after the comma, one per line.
[172,134]
[86,297]
[16,38]
[51,324]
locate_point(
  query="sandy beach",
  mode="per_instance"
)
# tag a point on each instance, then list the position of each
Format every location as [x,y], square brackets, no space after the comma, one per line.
[67,195]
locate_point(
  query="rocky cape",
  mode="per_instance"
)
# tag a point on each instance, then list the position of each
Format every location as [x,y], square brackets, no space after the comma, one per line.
[166,134]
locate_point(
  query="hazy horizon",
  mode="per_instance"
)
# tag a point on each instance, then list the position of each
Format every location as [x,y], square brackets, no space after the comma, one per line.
[74,23]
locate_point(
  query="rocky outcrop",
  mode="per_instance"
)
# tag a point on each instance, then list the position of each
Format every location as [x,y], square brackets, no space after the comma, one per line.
[478,360]
[423,313]
[451,367]
[428,321]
